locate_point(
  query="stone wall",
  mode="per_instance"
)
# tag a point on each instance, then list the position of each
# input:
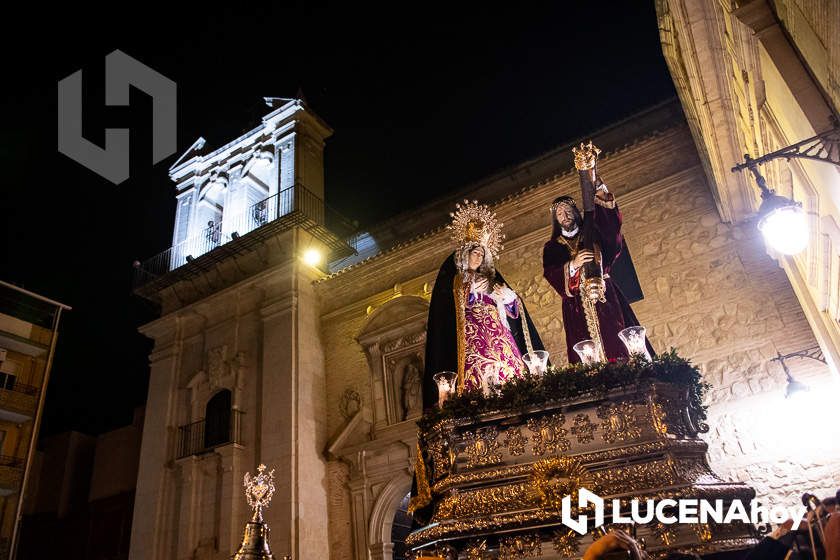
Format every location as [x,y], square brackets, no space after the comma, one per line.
[710,291]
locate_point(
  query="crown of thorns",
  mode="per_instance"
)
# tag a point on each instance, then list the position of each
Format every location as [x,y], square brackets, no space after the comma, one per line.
[563,200]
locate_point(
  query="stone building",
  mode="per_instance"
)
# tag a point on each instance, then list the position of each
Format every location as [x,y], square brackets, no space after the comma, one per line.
[313,372]
[754,77]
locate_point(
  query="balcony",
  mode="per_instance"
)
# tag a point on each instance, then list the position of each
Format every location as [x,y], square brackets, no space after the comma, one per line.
[17,400]
[11,473]
[233,235]
[206,435]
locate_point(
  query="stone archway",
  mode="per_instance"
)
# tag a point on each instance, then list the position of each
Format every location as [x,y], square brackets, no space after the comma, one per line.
[382,517]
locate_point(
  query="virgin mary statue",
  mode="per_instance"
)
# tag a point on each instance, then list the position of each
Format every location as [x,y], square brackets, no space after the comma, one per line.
[475,325]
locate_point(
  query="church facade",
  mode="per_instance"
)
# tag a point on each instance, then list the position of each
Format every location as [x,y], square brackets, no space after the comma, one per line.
[263,355]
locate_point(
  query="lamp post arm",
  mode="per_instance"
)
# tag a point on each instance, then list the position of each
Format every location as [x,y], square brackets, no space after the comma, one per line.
[814,353]
[823,147]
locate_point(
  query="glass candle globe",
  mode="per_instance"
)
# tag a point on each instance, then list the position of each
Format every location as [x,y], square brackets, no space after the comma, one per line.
[634,340]
[588,351]
[537,361]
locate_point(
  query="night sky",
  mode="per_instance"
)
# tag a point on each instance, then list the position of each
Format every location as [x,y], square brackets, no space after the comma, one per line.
[422,102]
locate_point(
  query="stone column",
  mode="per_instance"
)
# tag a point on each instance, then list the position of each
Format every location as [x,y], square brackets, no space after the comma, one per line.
[293,425]
[232,499]
[190,506]
[149,534]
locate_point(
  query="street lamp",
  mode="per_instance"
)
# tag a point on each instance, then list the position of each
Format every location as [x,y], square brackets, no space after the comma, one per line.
[782,220]
[794,387]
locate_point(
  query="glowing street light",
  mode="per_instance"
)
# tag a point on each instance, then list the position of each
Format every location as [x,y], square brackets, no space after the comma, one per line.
[781,220]
[312,257]
[783,223]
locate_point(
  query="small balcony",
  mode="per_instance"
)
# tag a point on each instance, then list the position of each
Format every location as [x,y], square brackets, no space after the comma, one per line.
[235,234]
[206,435]
[18,401]
[11,473]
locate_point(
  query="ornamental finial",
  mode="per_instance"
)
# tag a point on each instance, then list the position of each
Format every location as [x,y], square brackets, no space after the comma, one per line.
[259,490]
[586,156]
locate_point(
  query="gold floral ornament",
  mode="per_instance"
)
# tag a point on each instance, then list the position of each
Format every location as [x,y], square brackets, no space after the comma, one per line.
[475,223]
[259,491]
[566,542]
[557,477]
[520,546]
[586,156]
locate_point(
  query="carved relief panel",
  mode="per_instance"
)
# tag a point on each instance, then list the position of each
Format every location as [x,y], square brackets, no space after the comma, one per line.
[403,373]
[394,340]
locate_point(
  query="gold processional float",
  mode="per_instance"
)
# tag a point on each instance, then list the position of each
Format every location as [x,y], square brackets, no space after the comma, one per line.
[493,468]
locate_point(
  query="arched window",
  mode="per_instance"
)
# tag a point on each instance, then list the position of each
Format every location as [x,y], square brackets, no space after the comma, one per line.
[217,420]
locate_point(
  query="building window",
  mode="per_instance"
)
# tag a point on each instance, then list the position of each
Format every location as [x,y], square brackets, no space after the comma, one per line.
[217,420]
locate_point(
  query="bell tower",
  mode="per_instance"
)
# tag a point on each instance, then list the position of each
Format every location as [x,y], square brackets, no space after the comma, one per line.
[237,368]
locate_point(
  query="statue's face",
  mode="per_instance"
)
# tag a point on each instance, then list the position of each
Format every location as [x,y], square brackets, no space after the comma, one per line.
[476,258]
[566,216]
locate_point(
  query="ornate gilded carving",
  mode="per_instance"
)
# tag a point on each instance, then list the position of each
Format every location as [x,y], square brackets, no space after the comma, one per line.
[704,532]
[566,542]
[481,447]
[507,521]
[657,417]
[520,546]
[496,499]
[515,441]
[549,434]
[583,428]
[439,451]
[526,469]
[665,533]
[617,480]
[555,478]
[619,422]
[693,471]
[476,550]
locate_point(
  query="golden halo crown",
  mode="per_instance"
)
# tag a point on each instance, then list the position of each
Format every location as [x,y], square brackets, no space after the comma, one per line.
[586,155]
[475,223]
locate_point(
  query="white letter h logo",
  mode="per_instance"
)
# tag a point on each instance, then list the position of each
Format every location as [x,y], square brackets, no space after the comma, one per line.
[585,497]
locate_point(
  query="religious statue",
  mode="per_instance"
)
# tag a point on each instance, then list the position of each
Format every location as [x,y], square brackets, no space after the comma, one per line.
[577,262]
[411,387]
[475,325]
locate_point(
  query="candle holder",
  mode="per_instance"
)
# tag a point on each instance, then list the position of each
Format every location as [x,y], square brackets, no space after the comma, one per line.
[635,342]
[537,361]
[445,381]
[588,351]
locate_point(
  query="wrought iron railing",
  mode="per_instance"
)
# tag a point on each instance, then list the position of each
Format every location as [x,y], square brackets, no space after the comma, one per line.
[296,200]
[10,383]
[203,436]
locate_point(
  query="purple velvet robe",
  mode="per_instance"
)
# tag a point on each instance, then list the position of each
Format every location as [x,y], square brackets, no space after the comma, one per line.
[615,314]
